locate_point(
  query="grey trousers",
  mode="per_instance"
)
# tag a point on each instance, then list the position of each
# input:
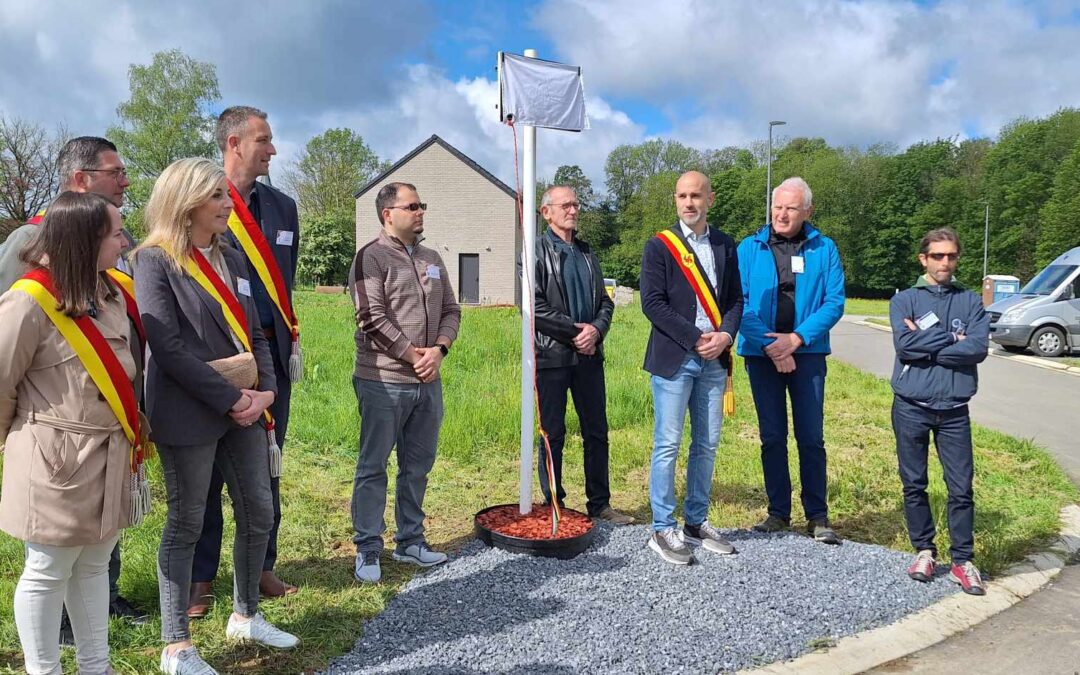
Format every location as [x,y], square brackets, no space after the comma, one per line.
[407,416]
[242,457]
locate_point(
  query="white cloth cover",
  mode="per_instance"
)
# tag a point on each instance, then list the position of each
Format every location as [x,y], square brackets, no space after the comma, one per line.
[543,93]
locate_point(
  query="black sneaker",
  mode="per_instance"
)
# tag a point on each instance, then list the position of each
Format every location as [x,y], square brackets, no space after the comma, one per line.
[820,530]
[668,546]
[707,536]
[773,524]
[122,609]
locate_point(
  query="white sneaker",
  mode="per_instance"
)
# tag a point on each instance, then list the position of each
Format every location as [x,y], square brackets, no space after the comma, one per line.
[418,554]
[184,662]
[367,570]
[259,630]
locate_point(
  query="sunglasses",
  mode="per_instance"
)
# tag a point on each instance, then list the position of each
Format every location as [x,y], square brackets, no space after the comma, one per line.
[415,206]
[942,256]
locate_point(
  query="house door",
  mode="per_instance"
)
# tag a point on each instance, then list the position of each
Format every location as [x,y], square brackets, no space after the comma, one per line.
[469,278]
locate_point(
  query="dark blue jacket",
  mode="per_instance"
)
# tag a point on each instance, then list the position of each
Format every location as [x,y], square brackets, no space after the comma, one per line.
[670,304]
[933,367]
[819,292]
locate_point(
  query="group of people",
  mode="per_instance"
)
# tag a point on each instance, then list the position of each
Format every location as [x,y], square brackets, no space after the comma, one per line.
[204,304]
[774,297]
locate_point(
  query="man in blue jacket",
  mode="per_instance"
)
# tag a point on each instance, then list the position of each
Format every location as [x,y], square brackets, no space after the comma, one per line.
[793,294]
[689,357]
[940,333]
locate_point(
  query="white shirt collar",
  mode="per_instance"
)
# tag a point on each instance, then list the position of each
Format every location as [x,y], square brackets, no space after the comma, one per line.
[690,234]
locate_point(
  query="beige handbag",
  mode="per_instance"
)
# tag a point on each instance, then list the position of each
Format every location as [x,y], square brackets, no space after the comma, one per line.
[240,370]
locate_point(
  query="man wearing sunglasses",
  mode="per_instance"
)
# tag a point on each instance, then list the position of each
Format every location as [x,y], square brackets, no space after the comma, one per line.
[573,314]
[940,333]
[407,319]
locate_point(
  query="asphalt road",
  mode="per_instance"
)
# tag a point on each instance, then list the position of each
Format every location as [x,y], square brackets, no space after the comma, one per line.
[1042,633]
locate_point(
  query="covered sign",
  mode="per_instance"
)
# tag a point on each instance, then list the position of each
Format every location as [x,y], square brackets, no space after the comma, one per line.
[541,93]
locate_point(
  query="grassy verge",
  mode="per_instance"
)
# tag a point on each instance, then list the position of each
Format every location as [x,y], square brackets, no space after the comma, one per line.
[1019,489]
[866,307]
[878,321]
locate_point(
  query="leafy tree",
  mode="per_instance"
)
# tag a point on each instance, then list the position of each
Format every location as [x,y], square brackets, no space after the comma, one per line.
[167,118]
[629,166]
[28,171]
[648,211]
[1061,212]
[573,176]
[326,248]
[326,174]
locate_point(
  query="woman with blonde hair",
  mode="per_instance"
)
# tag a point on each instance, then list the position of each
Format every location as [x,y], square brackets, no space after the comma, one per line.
[67,421]
[209,382]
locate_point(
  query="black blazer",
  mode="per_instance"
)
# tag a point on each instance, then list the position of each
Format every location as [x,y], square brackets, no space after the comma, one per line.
[670,304]
[187,401]
[277,213]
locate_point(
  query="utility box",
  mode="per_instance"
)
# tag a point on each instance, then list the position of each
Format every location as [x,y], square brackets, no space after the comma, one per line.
[998,286]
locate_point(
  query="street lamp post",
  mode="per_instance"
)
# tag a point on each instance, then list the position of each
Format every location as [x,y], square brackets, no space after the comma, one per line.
[768,173]
[986,237]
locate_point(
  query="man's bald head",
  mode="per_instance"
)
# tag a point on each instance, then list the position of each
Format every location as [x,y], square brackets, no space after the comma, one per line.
[693,198]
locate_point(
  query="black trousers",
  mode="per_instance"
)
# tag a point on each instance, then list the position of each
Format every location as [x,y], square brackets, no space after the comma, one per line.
[913,425]
[208,550]
[585,382]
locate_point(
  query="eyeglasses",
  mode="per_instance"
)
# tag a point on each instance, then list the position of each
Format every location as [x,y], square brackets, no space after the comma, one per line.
[566,206]
[115,174]
[942,256]
[415,206]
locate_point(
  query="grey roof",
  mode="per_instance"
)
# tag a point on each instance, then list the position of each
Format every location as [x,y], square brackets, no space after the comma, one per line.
[449,148]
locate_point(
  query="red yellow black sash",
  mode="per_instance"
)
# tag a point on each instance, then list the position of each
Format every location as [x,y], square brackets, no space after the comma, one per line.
[105,371]
[685,260]
[127,289]
[38,217]
[257,249]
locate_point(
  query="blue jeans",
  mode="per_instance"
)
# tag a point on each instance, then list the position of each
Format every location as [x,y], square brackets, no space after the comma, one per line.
[698,386]
[806,386]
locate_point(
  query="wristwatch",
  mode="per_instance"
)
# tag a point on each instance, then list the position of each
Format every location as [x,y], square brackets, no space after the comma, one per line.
[443,348]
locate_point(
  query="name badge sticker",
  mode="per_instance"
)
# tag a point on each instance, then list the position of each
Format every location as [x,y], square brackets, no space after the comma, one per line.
[927,320]
[284,237]
[798,265]
[433,272]
[243,286]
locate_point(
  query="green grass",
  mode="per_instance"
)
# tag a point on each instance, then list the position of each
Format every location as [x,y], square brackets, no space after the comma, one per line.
[866,307]
[1018,488]
[878,321]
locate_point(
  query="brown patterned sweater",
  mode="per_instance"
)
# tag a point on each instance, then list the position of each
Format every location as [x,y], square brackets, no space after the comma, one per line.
[401,300]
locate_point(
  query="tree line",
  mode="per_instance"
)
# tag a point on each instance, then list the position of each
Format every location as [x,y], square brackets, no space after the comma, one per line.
[876,203]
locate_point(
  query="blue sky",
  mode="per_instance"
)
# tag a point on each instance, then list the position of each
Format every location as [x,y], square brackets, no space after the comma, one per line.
[709,73]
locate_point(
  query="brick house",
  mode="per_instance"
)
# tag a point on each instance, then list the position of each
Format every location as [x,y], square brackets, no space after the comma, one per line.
[472,220]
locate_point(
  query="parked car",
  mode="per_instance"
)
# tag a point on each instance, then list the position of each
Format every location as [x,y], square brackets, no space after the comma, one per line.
[1045,316]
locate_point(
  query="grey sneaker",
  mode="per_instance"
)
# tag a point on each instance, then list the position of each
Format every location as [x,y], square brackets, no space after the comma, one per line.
[184,662]
[668,546]
[419,554]
[820,530]
[614,517]
[707,536]
[772,524]
[367,567]
[257,629]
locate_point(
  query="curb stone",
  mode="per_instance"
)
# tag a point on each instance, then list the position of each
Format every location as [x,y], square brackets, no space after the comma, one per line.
[858,653]
[1001,354]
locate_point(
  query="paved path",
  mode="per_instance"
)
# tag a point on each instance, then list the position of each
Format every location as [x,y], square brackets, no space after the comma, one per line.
[1040,634]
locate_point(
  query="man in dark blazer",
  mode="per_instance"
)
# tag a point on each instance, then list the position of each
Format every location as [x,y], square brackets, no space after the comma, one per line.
[689,358]
[246,143]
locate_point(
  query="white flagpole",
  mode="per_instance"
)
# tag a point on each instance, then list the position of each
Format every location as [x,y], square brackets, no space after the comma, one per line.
[528,357]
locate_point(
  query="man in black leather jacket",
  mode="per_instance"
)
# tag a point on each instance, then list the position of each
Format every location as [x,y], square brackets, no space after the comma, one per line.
[572,316]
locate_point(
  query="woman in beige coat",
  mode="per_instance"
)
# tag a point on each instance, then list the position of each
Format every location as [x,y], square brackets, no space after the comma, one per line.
[66,459]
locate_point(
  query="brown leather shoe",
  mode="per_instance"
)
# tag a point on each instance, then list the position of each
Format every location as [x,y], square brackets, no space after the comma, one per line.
[612,516]
[200,599]
[272,587]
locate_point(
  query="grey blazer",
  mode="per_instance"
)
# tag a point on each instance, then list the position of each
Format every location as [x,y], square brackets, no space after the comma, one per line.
[187,401]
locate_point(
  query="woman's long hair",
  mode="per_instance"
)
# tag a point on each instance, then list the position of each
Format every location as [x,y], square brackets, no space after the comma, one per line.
[182,187]
[67,244]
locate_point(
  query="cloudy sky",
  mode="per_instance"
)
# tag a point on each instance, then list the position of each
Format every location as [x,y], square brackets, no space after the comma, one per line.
[709,73]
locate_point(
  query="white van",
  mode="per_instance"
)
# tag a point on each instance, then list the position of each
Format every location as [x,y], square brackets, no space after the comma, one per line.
[1045,316]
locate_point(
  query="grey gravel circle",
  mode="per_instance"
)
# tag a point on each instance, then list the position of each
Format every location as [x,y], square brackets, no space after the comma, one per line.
[619,608]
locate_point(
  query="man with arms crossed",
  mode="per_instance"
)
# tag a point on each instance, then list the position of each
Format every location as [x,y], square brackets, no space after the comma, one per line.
[940,333]
[407,320]
[689,356]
